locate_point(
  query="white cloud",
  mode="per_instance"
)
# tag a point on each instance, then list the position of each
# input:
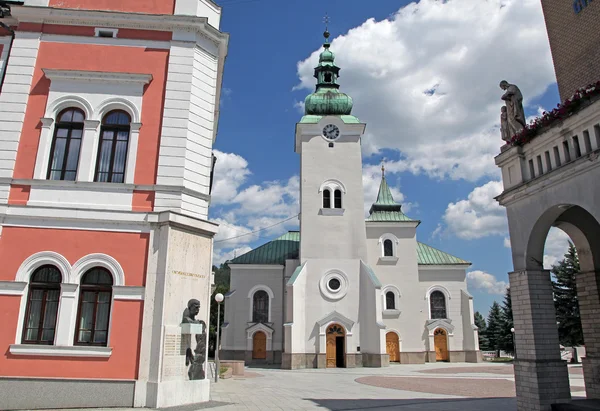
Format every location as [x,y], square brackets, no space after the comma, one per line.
[557,244]
[479,215]
[231,171]
[426,79]
[487,282]
[507,242]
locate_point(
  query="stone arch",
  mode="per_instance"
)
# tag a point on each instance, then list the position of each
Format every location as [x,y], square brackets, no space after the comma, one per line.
[65,102]
[37,260]
[98,260]
[580,226]
[118,103]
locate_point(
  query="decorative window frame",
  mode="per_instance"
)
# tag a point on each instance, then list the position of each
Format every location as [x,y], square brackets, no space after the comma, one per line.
[382,257]
[95,101]
[332,185]
[444,291]
[69,300]
[253,290]
[334,295]
[395,312]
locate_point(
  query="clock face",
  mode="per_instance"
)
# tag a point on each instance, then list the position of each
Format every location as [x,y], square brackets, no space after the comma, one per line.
[331,132]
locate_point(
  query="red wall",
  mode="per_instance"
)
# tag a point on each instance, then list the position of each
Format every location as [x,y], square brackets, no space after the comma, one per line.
[98,58]
[136,6]
[129,249]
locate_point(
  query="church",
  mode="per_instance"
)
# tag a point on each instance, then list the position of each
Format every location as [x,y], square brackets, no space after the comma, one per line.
[345,291]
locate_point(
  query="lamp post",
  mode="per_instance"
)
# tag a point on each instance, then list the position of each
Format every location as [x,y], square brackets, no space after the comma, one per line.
[512,330]
[219,300]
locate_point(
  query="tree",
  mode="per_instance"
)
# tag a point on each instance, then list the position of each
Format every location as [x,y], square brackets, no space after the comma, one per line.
[222,276]
[484,344]
[494,328]
[570,333]
[506,339]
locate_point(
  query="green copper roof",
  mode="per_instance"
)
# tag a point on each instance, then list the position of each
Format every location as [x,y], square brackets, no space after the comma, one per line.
[385,209]
[327,100]
[427,255]
[277,251]
[287,247]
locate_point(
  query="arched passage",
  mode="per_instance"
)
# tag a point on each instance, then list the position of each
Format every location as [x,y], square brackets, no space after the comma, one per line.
[536,336]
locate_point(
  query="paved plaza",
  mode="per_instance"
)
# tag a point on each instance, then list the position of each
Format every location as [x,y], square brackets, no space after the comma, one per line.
[438,387]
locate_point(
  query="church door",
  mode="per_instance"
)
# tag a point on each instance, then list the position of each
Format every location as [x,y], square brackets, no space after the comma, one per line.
[392,344]
[259,346]
[336,347]
[440,340]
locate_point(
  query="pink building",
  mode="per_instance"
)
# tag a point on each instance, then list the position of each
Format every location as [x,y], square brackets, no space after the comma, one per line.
[108,113]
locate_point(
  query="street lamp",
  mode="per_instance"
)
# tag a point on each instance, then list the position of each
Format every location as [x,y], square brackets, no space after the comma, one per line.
[219,299]
[512,330]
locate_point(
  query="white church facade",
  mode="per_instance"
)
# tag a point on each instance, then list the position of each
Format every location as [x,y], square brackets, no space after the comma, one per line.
[345,291]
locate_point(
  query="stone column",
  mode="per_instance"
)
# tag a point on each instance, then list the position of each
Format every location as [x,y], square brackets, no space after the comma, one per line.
[541,377]
[589,307]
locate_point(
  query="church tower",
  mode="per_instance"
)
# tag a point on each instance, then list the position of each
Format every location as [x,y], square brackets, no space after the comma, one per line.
[333,299]
[331,194]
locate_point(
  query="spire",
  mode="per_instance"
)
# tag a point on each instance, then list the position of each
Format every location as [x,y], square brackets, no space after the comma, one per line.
[327,99]
[385,209]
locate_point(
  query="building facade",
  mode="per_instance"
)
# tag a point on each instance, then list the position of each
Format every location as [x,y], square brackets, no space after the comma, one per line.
[345,292]
[574,37]
[109,110]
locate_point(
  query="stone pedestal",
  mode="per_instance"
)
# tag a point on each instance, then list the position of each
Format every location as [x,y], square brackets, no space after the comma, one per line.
[541,377]
[179,270]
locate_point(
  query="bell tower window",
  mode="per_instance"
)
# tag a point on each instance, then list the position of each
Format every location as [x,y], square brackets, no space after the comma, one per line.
[326,198]
[328,77]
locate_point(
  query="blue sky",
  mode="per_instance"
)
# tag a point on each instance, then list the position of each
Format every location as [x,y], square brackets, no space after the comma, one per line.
[438,146]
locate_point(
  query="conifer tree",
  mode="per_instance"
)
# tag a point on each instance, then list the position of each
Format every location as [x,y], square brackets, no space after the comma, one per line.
[506,340]
[570,333]
[494,328]
[480,323]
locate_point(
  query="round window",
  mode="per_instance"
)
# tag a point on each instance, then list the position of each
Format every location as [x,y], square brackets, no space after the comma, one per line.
[334,284]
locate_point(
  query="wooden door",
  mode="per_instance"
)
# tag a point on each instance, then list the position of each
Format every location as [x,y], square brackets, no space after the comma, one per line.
[392,344]
[333,331]
[259,346]
[440,340]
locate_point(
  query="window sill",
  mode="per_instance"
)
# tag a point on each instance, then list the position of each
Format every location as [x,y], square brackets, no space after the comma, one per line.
[391,313]
[332,211]
[388,260]
[60,351]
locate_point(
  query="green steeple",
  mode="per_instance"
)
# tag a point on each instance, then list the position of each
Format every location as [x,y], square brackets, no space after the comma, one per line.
[327,99]
[385,209]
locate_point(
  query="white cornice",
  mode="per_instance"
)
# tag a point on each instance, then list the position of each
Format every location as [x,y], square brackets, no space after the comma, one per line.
[60,351]
[398,224]
[98,76]
[112,19]
[257,266]
[457,267]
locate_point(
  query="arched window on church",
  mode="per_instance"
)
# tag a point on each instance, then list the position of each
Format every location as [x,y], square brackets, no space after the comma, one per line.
[390,301]
[388,248]
[337,195]
[326,198]
[437,302]
[260,307]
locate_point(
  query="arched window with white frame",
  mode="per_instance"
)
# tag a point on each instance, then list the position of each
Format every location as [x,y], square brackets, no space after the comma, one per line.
[388,248]
[260,307]
[337,198]
[112,149]
[391,298]
[93,314]
[437,305]
[41,313]
[388,243]
[66,144]
[326,198]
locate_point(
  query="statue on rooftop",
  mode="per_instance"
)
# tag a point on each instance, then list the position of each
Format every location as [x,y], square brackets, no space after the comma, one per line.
[515,114]
[504,131]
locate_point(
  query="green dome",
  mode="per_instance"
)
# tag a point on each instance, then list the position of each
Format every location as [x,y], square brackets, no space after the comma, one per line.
[328,102]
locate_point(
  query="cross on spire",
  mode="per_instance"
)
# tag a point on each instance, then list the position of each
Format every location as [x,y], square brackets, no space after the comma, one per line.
[382,168]
[326,20]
